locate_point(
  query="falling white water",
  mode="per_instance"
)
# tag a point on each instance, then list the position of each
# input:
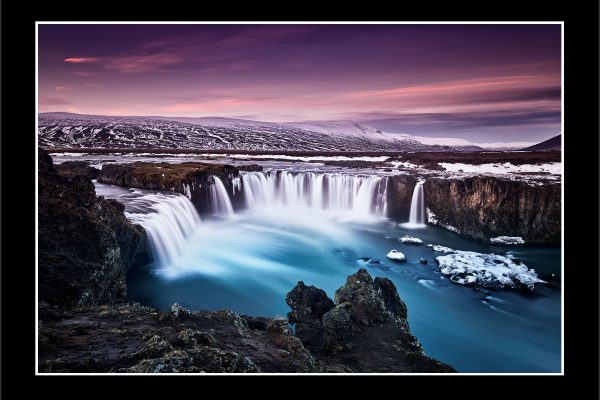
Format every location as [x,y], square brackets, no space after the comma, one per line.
[169,218]
[362,195]
[417,207]
[220,199]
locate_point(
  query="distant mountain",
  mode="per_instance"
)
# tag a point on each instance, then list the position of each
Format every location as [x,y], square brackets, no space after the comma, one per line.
[456,143]
[98,131]
[550,144]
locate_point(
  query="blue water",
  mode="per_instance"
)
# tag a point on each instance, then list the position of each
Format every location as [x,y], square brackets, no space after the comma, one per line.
[250,261]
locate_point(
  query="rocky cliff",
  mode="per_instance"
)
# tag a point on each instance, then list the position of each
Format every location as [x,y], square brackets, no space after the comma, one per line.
[86,244]
[191,179]
[485,207]
[400,189]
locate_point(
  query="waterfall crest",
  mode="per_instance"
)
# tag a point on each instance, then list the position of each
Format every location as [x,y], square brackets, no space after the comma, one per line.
[417,207]
[362,195]
[221,203]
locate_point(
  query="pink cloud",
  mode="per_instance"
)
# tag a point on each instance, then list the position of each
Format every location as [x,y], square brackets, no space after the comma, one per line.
[63,89]
[79,60]
[465,85]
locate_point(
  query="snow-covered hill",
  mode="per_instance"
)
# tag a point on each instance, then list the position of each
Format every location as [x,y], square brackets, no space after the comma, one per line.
[97,131]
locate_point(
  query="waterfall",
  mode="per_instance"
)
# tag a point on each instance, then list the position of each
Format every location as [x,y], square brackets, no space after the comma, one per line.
[417,206]
[169,219]
[220,199]
[362,195]
[174,218]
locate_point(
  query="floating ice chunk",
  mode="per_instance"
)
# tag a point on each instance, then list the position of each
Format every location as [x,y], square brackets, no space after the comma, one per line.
[507,240]
[441,249]
[410,240]
[396,255]
[487,270]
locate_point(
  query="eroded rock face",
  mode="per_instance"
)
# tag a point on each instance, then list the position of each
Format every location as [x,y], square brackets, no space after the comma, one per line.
[400,189]
[134,338]
[367,330]
[308,305]
[190,179]
[77,168]
[85,242]
[486,207]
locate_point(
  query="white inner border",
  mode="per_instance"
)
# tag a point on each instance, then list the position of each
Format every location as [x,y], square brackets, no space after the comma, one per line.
[562,253]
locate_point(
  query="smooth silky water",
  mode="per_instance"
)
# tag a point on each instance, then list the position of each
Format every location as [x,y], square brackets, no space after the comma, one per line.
[248,261]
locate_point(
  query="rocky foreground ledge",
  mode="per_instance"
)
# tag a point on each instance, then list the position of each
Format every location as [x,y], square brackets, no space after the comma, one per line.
[364,330]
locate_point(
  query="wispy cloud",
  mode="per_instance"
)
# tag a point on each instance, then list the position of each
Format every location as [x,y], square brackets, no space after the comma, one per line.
[62,88]
[81,60]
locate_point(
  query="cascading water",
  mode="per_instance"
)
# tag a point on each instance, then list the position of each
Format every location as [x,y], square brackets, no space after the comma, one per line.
[362,195]
[417,207]
[169,219]
[220,199]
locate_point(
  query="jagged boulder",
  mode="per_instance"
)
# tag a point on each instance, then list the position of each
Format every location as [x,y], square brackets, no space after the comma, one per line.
[367,330]
[308,305]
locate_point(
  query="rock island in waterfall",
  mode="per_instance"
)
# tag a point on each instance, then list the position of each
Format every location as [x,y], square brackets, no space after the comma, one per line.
[299,198]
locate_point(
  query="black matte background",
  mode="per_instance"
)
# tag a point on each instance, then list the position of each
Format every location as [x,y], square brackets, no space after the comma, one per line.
[17,135]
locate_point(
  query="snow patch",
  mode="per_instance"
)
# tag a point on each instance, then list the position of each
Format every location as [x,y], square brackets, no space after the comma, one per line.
[432,219]
[410,240]
[396,255]
[488,270]
[554,168]
[441,249]
[507,240]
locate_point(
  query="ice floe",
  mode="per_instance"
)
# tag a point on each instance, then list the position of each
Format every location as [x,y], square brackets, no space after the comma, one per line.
[410,240]
[507,240]
[396,255]
[487,270]
[441,249]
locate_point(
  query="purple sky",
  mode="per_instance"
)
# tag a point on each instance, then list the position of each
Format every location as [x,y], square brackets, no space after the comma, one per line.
[484,83]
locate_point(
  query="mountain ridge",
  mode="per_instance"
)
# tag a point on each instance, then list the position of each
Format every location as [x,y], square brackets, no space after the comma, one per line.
[208,133]
[553,143]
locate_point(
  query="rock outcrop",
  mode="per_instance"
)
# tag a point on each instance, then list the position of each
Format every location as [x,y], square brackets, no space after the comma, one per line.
[85,242]
[485,207]
[308,305]
[191,179]
[399,192]
[77,168]
[366,331]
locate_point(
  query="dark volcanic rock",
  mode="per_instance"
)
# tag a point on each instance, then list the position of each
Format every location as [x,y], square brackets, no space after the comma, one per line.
[191,179]
[133,338]
[433,166]
[485,207]
[250,167]
[308,305]
[367,331]
[85,242]
[76,168]
[400,189]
